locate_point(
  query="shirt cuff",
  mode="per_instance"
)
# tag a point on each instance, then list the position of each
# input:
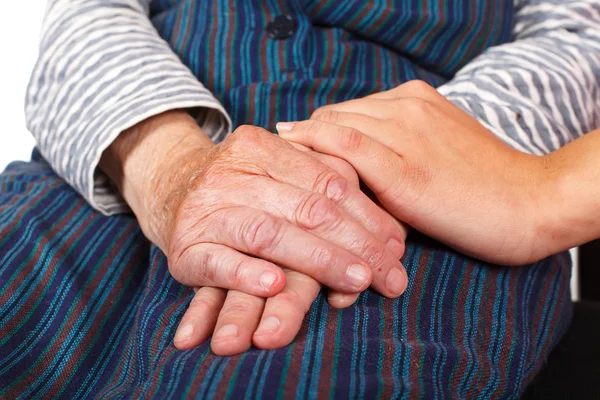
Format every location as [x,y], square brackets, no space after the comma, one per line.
[96,187]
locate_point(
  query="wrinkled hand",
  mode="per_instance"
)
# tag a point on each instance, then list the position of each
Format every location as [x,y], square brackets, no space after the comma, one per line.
[233,214]
[283,313]
[433,166]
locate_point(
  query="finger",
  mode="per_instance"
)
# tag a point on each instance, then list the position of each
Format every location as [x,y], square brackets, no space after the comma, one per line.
[379,130]
[402,226]
[317,177]
[215,265]
[378,166]
[344,300]
[341,300]
[293,246]
[316,214]
[236,323]
[422,91]
[284,313]
[411,89]
[348,172]
[412,94]
[382,109]
[264,235]
[200,318]
[337,164]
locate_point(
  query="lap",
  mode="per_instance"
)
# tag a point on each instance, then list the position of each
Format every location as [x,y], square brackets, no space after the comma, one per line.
[88,309]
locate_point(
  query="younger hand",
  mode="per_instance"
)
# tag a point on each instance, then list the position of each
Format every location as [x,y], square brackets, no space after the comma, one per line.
[433,166]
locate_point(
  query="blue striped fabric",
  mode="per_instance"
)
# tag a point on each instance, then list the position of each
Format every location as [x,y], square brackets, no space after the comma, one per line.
[87,306]
[91,311]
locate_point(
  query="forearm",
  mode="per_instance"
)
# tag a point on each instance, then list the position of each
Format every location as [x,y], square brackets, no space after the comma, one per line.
[139,161]
[103,68]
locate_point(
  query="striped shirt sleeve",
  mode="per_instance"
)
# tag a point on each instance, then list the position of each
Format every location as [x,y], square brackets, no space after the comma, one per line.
[542,90]
[102,68]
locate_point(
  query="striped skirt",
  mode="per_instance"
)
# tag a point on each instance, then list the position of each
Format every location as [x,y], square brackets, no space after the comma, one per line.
[88,310]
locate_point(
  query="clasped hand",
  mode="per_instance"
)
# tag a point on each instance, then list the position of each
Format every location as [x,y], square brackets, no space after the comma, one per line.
[268,219]
[273,218]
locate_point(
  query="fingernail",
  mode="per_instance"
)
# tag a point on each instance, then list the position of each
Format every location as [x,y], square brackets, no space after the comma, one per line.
[358,275]
[395,247]
[396,281]
[267,279]
[270,324]
[284,126]
[226,331]
[184,333]
[337,297]
[340,300]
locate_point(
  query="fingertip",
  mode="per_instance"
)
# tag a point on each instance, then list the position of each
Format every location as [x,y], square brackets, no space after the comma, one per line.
[284,128]
[341,300]
[396,281]
[270,282]
[228,349]
[186,336]
[227,341]
[359,276]
[274,333]
[270,334]
[279,283]
[396,247]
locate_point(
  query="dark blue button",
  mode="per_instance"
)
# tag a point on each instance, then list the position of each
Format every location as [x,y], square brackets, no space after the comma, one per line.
[282,27]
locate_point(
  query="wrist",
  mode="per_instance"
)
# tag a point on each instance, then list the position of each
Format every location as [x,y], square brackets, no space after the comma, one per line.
[570,204]
[571,198]
[149,163]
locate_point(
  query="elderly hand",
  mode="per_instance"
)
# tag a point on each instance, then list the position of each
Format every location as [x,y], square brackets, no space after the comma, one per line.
[283,313]
[228,215]
[433,166]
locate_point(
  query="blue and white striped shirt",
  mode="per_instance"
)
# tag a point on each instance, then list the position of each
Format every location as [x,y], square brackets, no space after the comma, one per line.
[103,68]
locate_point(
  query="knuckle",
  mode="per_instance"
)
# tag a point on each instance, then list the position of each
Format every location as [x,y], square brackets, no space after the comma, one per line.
[175,270]
[312,127]
[238,272]
[248,134]
[243,138]
[332,185]
[417,107]
[374,254]
[316,211]
[293,301]
[260,233]
[234,308]
[352,140]
[208,266]
[325,114]
[417,86]
[323,258]
[177,265]
[200,303]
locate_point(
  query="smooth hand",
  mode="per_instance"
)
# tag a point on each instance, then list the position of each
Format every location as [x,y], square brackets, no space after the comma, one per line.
[435,167]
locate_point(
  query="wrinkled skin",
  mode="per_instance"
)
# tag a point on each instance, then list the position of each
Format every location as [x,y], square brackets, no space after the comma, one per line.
[433,166]
[267,219]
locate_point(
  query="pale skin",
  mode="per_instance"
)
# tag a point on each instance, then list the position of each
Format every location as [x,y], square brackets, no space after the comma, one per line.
[428,163]
[433,166]
[257,224]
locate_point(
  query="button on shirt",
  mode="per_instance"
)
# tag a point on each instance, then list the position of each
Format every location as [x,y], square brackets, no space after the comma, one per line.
[282,27]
